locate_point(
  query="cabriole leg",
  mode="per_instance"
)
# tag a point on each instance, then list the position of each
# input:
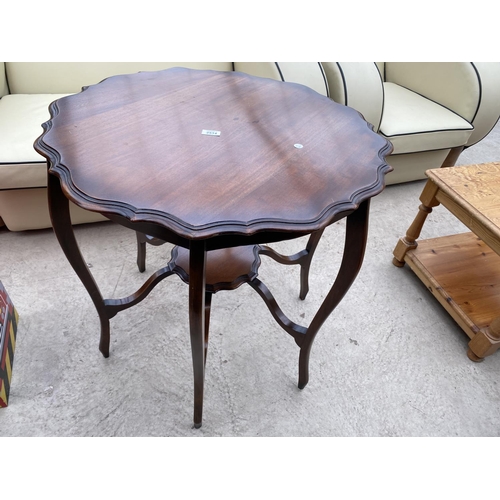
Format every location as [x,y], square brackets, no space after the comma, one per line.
[354,250]
[305,264]
[208,305]
[61,222]
[141,251]
[197,264]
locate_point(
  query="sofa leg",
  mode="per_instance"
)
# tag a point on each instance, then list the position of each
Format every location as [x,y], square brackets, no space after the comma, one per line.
[452,157]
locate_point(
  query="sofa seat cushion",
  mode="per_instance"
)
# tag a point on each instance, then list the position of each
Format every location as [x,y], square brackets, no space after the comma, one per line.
[413,123]
[21,118]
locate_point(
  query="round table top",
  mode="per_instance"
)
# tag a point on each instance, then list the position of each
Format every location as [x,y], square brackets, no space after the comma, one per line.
[205,153]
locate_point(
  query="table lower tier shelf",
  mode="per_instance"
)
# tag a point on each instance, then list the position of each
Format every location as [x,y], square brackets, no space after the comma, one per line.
[463,273]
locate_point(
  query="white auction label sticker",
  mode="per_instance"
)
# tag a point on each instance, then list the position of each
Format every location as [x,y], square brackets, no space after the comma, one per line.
[211,132]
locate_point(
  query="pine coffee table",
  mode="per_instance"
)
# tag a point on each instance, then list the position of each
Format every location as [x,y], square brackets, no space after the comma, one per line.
[462,270]
[217,163]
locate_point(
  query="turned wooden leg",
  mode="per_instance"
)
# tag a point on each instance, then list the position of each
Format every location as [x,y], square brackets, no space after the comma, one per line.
[197,264]
[61,222]
[428,201]
[485,342]
[408,242]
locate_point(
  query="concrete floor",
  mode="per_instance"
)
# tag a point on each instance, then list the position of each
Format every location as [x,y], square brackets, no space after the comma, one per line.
[388,362]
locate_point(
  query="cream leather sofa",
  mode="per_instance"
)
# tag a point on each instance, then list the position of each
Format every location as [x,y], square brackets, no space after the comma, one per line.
[27,89]
[430,111]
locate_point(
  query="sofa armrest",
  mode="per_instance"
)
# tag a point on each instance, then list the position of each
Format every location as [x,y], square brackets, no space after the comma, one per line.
[358,85]
[4,89]
[472,90]
[488,112]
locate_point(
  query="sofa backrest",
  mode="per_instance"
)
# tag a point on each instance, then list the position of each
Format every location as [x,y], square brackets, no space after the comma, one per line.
[310,74]
[358,85]
[70,77]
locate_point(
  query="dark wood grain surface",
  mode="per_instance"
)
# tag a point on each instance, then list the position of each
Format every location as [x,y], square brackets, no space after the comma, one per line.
[133,146]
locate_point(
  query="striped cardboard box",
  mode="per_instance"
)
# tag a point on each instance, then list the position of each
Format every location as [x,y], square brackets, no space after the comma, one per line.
[8,328]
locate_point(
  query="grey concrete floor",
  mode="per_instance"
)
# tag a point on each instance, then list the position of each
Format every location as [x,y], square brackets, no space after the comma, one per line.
[388,362]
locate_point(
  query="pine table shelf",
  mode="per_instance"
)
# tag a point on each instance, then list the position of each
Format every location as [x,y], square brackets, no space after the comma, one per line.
[463,270]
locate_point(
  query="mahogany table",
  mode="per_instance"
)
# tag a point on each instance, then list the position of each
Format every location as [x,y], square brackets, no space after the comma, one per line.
[210,161]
